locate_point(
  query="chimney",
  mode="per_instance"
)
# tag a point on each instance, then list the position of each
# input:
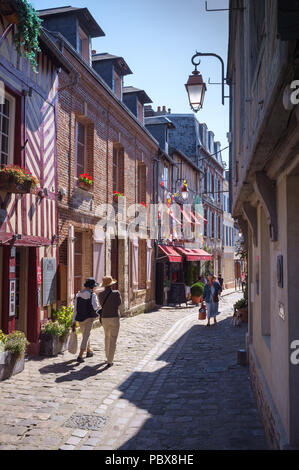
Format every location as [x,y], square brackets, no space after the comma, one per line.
[164,109]
[159,109]
[169,111]
[93,52]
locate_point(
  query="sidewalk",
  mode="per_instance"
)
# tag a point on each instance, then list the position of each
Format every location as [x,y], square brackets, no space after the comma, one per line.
[175,384]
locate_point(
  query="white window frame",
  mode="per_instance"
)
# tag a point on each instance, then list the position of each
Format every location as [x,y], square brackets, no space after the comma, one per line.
[11,128]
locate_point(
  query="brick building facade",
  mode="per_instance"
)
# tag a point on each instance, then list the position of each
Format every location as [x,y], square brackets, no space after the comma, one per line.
[99,135]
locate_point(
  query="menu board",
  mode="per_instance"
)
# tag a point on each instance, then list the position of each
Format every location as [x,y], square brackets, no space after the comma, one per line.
[177,294]
[49,281]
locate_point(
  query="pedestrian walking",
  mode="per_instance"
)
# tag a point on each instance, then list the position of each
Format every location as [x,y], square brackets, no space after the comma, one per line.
[220,280]
[86,306]
[243,281]
[211,297]
[110,301]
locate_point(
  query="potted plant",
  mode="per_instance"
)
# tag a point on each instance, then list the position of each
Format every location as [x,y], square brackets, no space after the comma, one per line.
[12,353]
[15,179]
[242,307]
[85,181]
[197,292]
[55,334]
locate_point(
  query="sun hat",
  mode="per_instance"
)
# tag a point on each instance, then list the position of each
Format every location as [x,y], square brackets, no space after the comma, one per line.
[108,281]
[90,282]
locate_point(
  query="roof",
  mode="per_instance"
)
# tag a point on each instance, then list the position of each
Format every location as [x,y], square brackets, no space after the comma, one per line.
[142,96]
[153,120]
[119,61]
[51,48]
[85,17]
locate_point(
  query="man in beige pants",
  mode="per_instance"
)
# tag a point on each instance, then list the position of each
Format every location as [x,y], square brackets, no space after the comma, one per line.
[110,301]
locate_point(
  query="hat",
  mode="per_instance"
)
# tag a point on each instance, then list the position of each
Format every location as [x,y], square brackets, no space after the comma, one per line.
[90,282]
[108,281]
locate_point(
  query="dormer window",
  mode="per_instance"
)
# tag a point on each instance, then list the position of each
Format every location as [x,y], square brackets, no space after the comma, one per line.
[117,85]
[83,45]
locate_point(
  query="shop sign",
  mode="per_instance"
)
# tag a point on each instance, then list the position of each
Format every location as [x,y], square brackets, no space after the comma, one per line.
[49,281]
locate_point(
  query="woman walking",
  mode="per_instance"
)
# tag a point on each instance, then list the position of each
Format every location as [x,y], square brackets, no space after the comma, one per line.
[110,301]
[211,297]
[85,312]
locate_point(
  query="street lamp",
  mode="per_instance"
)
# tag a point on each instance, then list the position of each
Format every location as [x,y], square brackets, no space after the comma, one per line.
[196,87]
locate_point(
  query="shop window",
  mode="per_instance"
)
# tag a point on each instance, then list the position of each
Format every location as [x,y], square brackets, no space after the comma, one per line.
[7,128]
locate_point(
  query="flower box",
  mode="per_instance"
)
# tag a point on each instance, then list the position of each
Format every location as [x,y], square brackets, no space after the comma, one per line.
[52,345]
[85,181]
[11,364]
[14,179]
[85,186]
[117,195]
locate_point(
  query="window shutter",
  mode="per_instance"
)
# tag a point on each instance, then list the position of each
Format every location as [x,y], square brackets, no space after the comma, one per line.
[70,264]
[135,263]
[148,262]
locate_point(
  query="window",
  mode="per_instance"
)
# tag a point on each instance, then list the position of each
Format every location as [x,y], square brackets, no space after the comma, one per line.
[83,45]
[213,225]
[205,223]
[7,127]
[118,169]
[81,148]
[165,177]
[141,189]
[117,85]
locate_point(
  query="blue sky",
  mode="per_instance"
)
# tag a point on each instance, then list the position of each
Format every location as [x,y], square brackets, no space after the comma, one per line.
[157,39]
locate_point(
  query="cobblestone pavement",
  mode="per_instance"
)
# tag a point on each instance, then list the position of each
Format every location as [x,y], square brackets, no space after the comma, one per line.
[175,384]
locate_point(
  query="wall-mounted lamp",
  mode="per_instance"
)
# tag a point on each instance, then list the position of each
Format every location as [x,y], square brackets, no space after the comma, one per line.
[61,193]
[196,87]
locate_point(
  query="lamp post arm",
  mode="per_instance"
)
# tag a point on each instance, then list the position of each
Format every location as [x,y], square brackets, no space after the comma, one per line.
[211,54]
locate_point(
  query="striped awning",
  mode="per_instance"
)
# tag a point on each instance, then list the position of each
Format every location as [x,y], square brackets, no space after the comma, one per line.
[195,254]
[173,255]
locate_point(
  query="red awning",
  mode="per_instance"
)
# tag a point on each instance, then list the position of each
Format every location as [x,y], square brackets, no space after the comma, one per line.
[172,254]
[193,254]
[204,255]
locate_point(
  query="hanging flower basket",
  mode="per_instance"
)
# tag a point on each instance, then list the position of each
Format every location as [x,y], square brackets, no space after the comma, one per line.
[27,29]
[14,179]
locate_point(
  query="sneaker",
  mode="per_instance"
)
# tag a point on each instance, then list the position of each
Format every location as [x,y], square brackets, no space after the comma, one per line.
[80,359]
[89,354]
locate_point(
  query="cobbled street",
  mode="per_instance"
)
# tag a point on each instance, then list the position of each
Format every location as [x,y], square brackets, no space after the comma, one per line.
[175,384]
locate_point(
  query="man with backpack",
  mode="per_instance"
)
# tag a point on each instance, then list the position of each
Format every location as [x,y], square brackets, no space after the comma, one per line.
[86,306]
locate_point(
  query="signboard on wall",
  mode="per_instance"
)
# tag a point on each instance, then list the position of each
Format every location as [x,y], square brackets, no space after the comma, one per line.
[49,281]
[12,297]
